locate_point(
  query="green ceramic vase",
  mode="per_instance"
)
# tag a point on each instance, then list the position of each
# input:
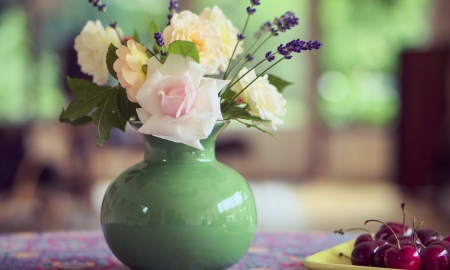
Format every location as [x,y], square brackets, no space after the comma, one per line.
[179,208]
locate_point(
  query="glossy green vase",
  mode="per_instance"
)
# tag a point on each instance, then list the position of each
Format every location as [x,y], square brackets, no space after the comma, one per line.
[179,209]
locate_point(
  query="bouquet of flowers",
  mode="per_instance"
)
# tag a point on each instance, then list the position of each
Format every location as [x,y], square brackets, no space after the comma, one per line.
[193,74]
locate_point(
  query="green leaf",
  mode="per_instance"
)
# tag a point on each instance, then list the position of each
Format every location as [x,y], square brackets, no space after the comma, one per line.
[279,83]
[243,113]
[107,116]
[111,57]
[229,94]
[76,122]
[87,97]
[126,107]
[136,36]
[185,48]
[253,118]
[255,126]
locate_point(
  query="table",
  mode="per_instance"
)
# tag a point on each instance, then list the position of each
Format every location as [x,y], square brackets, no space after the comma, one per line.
[88,250]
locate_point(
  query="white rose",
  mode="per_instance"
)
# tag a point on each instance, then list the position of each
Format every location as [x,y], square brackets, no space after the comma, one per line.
[92,45]
[228,34]
[262,97]
[178,103]
[190,27]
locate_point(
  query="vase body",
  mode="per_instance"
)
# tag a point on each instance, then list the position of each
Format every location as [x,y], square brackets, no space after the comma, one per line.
[179,209]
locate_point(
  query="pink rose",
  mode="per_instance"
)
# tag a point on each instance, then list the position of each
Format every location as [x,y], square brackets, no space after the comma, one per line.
[178,103]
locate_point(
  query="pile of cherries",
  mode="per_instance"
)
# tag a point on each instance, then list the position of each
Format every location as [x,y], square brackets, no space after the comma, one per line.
[397,245]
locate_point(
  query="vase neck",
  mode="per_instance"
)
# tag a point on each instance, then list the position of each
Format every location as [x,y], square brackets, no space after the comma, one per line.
[159,150]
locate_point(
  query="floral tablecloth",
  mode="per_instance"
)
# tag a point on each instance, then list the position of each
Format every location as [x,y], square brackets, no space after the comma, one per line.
[88,250]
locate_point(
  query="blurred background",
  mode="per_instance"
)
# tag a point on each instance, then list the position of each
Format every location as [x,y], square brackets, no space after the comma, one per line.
[367,126]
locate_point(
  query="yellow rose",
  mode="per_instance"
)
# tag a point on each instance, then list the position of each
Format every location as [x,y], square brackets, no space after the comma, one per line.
[190,27]
[228,34]
[129,67]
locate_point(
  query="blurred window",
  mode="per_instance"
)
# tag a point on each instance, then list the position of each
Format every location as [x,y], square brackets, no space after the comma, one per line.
[359,61]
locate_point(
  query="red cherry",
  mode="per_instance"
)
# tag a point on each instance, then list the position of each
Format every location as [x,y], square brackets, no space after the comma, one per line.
[406,257]
[363,238]
[384,231]
[364,254]
[446,238]
[426,235]
[435,258]
[379,255]
[443,243]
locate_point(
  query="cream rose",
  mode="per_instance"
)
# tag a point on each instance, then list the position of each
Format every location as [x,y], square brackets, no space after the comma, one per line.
[228,34]
[92,45]
[178,103]
[129,67]
[190,27]
[262,97]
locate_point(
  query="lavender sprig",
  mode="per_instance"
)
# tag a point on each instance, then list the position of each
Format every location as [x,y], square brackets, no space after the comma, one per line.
[286,21]
[102,8]
[173,8]
[159,39]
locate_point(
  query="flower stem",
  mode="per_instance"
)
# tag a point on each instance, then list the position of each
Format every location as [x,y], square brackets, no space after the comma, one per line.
[235,47]
[111,21]
[263,73]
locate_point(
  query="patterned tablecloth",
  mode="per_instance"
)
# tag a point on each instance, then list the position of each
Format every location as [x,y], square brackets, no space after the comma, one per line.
[88,250]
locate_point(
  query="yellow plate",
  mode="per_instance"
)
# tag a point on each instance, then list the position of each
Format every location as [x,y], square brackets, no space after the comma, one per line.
[330,259]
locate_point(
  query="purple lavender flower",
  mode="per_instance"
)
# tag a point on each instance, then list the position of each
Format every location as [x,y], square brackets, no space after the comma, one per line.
[163,53]
[98,4]
[263,29]
[282,50]
[249,57]
[174,6]
[240,37]
[297,46]
[255,2]
[273,32]
[113,25]
[269,56]
[286,21]
[102,7]
[251,10]
[159,39]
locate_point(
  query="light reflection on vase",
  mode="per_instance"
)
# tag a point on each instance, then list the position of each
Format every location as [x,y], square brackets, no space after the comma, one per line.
[179,209]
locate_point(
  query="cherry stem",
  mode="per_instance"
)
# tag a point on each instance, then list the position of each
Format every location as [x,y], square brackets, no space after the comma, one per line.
[415,237]
[341,231]
[404,218]
[343,255]
[389,227]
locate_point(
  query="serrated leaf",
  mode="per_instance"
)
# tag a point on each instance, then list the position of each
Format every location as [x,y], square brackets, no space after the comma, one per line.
[111,57]
[107,117]
[185,48]
[136,36]
[76,122]
[279,83]
[126,107]
[87,97]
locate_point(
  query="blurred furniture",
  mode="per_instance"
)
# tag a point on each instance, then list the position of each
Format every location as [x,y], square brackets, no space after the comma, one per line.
[423,137]
[88,250]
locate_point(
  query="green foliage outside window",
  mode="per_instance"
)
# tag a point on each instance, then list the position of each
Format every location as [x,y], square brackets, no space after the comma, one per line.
[359,61]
